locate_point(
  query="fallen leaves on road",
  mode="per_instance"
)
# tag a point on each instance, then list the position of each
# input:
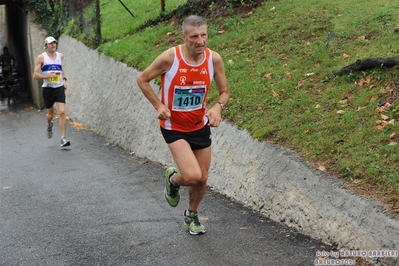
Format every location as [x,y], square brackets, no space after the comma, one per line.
[77,125]
[203,219]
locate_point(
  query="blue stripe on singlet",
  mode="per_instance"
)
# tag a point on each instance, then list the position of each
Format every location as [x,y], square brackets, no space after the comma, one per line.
[50,67]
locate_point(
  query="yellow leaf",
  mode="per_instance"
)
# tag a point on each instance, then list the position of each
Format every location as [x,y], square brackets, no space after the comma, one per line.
[383,108]
[340,111]
[268,76]
[373,98]
[321,168]
[273,93]
[203,219]
[77,125]
[300,83]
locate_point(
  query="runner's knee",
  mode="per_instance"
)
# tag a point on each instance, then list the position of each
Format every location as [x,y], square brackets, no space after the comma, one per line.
[61,112]
[194,177]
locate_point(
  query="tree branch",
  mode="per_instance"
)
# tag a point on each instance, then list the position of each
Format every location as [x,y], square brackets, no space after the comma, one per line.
[367,64]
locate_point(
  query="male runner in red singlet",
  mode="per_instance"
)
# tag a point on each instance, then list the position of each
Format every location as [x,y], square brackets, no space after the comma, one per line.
[187,71]
[48,67]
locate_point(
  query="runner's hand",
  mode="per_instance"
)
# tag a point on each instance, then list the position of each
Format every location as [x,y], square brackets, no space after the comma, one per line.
[214,117]
[163,113]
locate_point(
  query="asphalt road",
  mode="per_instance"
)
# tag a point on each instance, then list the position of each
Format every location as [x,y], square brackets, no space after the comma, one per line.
[93,203]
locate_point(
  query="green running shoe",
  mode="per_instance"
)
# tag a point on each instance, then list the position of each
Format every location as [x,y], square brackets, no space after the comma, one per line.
[193,224]
[172,193]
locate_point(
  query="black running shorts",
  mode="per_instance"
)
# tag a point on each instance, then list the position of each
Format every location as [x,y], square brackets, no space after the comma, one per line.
[199,139]
[53,95]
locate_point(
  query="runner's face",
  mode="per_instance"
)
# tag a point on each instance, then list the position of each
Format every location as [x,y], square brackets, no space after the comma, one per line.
[196,38]
[52,46]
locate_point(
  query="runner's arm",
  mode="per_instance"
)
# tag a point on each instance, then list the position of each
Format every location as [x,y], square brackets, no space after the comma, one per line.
[224,95]
[37,73]
[158,67]
[64,78]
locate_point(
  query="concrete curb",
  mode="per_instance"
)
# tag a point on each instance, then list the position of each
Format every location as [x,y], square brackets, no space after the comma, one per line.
[103,95]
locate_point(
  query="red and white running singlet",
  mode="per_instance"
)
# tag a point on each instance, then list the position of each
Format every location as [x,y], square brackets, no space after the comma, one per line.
[185,88]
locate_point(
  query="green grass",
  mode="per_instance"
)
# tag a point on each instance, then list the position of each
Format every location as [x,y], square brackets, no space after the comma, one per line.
[279,70]
[117,22]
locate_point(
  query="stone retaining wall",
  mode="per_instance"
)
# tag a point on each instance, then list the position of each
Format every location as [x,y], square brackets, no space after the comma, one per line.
[103,95]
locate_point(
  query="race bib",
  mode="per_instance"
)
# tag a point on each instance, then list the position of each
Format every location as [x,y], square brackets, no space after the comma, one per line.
[55,79]
[188,98]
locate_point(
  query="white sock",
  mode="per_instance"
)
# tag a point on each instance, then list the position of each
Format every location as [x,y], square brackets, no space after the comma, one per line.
[171,181]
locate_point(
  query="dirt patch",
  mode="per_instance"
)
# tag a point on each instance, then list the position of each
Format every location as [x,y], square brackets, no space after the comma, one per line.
[225,8]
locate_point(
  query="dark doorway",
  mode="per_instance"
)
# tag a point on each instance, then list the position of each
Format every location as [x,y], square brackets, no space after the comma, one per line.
[14,35]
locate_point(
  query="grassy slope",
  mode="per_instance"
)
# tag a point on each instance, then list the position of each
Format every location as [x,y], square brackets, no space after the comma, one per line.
[280,74]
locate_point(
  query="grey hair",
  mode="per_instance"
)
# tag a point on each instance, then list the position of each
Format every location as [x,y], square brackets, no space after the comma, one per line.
[192,20]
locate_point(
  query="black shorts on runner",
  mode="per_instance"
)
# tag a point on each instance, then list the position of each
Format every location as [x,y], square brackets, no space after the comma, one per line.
[53,95]
[199,139]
